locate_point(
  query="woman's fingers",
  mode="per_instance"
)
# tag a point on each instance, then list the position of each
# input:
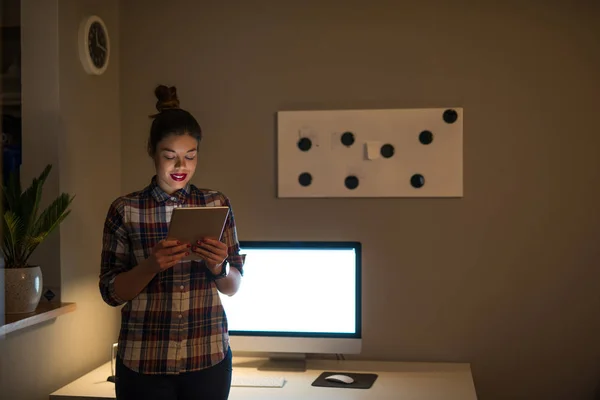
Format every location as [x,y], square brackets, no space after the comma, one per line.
[203,252]
[213,244]
[209,257]
[167,243]
[178,249]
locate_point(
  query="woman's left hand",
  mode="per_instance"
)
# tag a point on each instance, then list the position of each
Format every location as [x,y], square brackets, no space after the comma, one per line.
[213,251]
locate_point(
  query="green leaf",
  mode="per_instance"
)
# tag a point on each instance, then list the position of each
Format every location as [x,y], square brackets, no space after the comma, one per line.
[48,221]
[13,229]
[31,198]
[24,229]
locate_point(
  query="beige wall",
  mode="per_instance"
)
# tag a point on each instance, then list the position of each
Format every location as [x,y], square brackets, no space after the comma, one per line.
[71,120]
[505,278]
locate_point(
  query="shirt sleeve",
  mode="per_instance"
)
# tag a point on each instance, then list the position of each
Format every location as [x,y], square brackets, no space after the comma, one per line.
[115,253]
[230,238]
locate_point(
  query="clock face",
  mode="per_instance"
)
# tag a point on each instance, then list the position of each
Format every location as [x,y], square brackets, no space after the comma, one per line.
[97,44]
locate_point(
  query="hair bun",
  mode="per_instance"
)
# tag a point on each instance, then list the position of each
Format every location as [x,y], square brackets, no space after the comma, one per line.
[167,98]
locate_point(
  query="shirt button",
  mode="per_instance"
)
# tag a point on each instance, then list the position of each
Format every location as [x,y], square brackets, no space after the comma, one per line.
[173,198]
[180,316]
[181,287]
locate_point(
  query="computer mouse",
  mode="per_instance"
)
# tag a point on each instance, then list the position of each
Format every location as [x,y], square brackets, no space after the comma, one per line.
[339,378]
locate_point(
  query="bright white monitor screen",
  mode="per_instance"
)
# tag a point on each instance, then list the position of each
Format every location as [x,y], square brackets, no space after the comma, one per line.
[297,290]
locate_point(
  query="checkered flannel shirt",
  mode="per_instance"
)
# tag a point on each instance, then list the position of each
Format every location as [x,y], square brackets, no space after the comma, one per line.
[177,323]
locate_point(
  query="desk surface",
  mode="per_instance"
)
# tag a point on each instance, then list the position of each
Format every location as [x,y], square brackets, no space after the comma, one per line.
[396,380]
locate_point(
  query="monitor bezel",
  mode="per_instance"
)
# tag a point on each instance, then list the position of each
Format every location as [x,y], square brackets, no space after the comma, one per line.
[333,245]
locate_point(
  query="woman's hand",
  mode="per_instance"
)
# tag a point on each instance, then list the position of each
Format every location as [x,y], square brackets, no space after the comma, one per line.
[213,251]
[166,254]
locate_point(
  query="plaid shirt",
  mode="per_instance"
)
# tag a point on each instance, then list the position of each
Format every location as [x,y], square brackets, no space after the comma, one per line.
[177,322]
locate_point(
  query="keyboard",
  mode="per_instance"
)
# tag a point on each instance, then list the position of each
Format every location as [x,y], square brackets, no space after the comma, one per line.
[265,381]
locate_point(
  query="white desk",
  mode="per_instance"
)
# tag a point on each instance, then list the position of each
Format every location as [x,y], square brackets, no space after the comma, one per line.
[396,380]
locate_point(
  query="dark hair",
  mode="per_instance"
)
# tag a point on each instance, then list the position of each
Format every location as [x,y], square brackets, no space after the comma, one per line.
[170,119]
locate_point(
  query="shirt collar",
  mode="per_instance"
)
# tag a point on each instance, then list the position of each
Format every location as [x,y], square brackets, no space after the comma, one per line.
[180,196]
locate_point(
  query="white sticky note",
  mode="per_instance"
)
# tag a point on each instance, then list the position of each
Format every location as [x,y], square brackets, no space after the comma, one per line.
[372,150]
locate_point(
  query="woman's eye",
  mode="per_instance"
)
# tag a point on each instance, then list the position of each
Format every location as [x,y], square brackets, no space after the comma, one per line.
[169,158]
[190,157]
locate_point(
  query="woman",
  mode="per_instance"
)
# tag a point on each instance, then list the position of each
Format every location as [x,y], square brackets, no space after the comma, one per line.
[173,341]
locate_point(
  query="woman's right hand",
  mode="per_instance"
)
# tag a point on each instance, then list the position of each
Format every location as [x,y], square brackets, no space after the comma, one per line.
[166,254]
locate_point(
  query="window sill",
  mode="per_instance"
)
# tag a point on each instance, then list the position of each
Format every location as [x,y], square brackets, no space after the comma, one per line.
[45,312]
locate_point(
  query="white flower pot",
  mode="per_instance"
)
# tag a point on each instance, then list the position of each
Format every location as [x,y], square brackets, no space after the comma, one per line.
[23,289]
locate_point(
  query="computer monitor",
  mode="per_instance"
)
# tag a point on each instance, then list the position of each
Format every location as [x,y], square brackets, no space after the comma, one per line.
[296,298]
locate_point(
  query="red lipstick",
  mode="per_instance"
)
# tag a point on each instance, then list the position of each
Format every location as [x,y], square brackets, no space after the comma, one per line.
[178,177]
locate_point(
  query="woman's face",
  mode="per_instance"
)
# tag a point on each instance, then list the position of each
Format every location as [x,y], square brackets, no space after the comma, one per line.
[175,161]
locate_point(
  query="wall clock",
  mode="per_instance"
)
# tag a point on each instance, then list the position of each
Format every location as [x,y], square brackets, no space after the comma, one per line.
[94,45]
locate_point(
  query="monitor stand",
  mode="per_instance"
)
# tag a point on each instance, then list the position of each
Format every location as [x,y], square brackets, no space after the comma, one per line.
[293,362]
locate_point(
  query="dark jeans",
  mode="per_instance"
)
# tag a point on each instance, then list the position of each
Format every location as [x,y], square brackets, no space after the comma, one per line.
[209,384]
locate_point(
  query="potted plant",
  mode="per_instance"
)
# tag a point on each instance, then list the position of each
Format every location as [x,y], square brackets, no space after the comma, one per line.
[24,228]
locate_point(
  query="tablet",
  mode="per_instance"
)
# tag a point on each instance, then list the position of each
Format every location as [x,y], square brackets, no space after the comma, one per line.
[189,224]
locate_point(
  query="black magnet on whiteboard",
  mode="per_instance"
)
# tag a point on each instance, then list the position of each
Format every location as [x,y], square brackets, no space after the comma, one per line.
[426,137]
[387,151]
[304,144]
[305,179]
[351,182]
[347,138]
[450,116]
[417,181]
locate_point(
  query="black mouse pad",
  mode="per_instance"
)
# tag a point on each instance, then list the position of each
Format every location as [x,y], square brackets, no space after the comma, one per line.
[361,381]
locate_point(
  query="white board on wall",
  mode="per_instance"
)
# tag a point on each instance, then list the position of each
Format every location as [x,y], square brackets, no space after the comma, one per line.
[370,153]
